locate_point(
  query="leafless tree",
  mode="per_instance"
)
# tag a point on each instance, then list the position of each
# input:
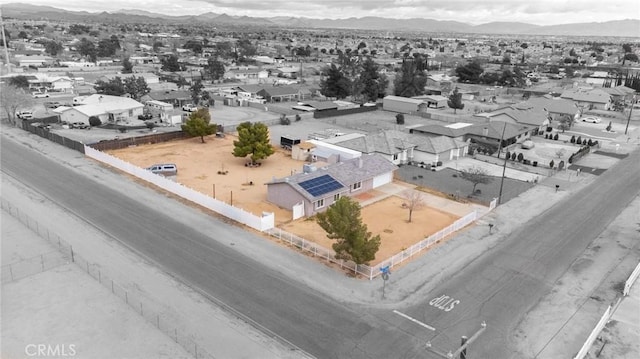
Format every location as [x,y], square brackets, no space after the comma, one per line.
[414,201]
[13,99]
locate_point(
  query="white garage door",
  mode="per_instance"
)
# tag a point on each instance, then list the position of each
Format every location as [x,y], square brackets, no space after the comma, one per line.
[382,179]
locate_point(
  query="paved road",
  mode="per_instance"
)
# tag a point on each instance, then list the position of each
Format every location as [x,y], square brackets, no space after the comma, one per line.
[499,287]
[319,325]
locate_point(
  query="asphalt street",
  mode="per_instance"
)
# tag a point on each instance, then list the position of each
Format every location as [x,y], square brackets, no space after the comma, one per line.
[498,287]
[501,286]
[316,323]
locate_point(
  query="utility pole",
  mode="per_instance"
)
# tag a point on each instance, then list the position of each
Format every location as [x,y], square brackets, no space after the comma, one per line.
[504,164]
[4,42]
[626,129]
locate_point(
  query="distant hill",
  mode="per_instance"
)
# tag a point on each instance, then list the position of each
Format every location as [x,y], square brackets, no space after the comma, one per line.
[619,28]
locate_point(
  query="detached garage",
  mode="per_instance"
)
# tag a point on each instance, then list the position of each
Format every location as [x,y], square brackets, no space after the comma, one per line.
[402,104]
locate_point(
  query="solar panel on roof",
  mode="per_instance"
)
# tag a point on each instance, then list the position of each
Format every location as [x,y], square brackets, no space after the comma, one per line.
[320,185]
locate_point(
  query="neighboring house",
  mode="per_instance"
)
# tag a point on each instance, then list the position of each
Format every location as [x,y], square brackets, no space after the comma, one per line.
[315,190]
[619,93]
[247,74]
[36,61]
[523,114]
[403,104]
[400,147]
[279,93]
[397,147]
[484,134]
[288,72]
[61,84]
[247,91]
[553,106]
[109,109]
[594,99]
[431,150]
[176,98]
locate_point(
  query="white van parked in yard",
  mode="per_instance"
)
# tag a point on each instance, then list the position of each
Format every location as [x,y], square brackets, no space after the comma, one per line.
[164,169]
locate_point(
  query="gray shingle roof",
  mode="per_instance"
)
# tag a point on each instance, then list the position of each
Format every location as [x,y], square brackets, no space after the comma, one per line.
[346,173]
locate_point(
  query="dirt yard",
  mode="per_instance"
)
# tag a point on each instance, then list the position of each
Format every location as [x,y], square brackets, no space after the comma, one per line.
[211,168]
[386,218]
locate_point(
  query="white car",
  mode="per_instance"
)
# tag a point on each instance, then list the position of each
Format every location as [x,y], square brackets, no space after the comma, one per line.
[591,119]
[40,95]
[190,107]
[24,115]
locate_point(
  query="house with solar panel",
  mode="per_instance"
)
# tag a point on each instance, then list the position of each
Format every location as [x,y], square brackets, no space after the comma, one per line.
[315,189]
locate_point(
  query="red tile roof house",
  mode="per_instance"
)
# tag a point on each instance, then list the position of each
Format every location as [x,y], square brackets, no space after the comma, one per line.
[315,190]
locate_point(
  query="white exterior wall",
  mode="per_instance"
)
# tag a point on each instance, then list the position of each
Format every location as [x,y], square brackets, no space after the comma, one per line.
[382,179]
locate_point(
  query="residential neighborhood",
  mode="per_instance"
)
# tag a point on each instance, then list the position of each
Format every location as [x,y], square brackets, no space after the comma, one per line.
[302,180]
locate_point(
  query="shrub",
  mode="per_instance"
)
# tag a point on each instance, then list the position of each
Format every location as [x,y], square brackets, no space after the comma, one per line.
[546,136]
[584,142]
[579,140]
[590,143]
[400,119]
[298,118]
[94,121]
[284,120]
[573,139]
[508,155]
[535,163]
[551,164]
[609,127]
[555,137]
[513,156]
[520,157]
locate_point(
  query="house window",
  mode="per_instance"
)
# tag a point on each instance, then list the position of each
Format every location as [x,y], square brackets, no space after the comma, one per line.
[395,157]
[356,186]
[320,203]
[130,113]
[336,197]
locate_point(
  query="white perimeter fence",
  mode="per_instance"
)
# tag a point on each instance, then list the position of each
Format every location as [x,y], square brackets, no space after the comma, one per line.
[607,316]
[263,223]
[374,271]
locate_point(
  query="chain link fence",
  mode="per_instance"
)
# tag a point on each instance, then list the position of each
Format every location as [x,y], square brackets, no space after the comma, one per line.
[66,255]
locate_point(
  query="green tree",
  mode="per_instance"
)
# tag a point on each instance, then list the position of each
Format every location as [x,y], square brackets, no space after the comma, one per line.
[20,81]
[214,68]
[127,66]
[343,223]
[114,87]
[455,100]
[136,86]
[105,48]
[253,139]
[199,124]
[476,175]
[410,80]
[53,47]
[565,122]
[334,83]
[196,91]
[470,72]
[87,48]
[373,84]
[170,63]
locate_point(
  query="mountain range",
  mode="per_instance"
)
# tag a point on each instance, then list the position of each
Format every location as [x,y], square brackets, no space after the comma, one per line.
[618,28]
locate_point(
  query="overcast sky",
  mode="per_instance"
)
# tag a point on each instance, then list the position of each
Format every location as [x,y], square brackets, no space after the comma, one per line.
[540,12]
